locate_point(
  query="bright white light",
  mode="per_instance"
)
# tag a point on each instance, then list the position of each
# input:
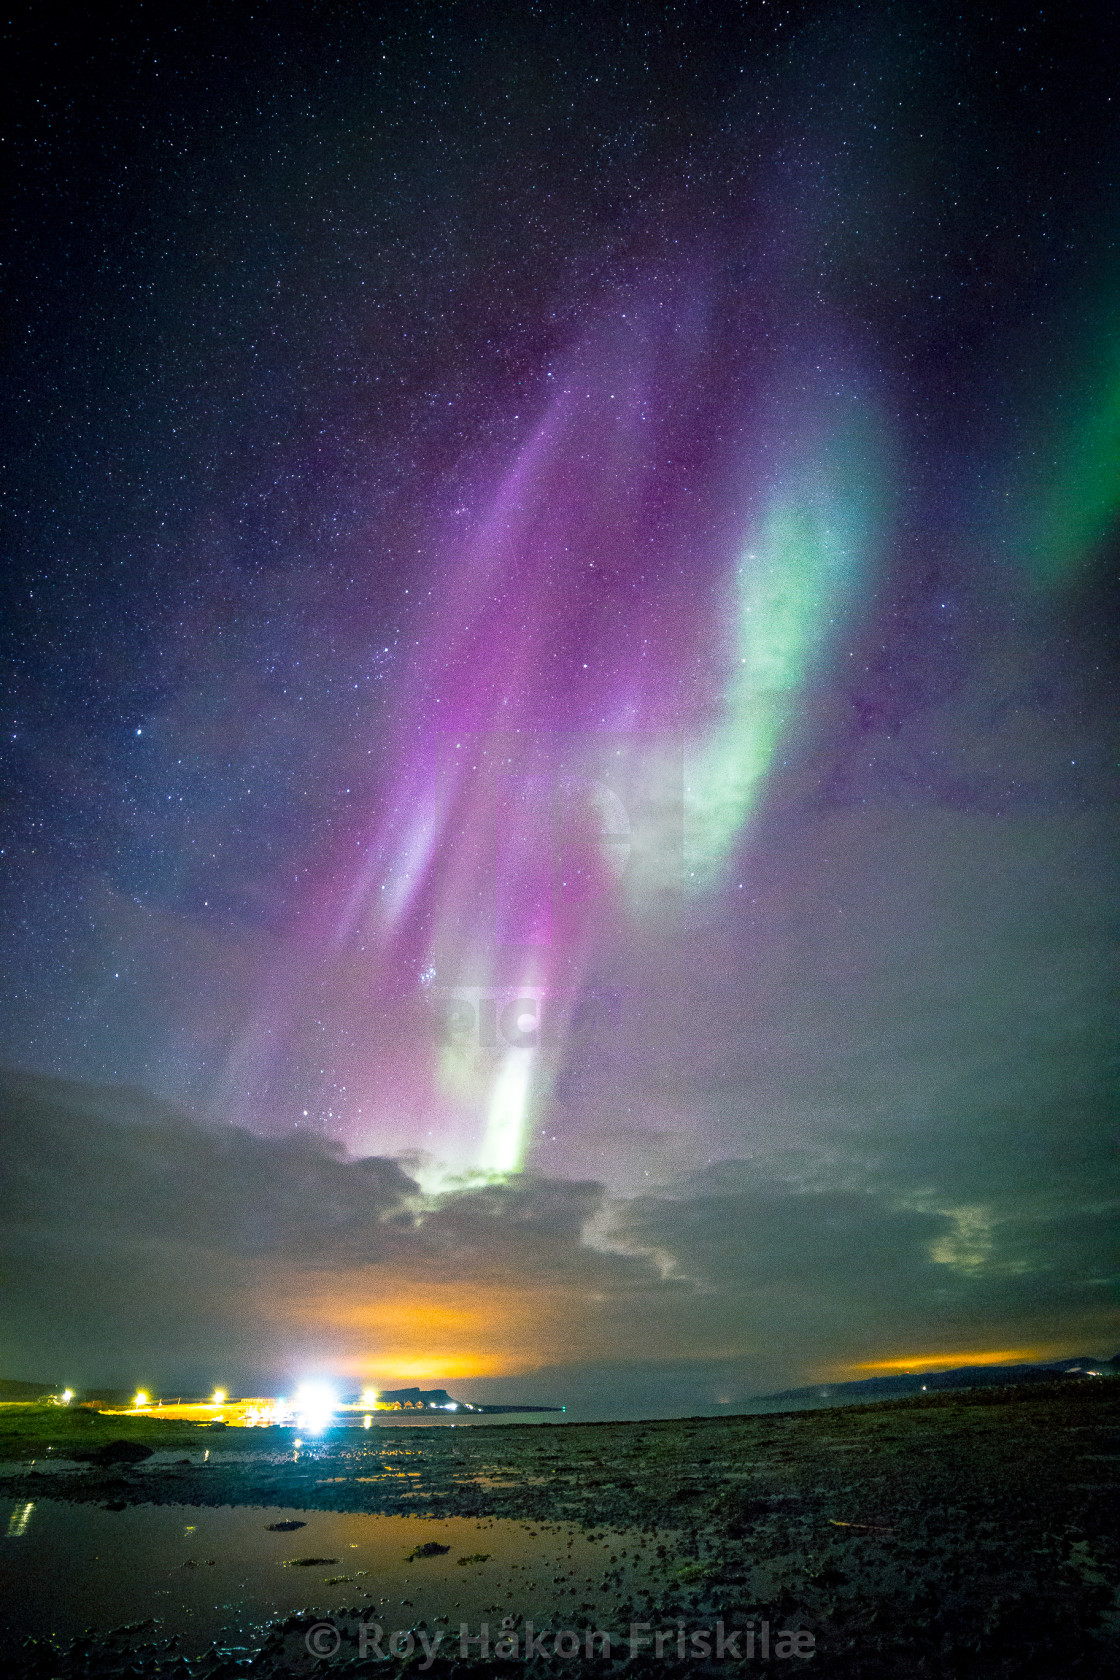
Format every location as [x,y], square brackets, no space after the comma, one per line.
[452,1406]
[369,1397]
[67,1396]
[315,1405]
[367,1422]
[141,1398]
[218,1398]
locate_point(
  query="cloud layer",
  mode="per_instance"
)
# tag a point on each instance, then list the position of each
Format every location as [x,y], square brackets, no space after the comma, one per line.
[143,1246]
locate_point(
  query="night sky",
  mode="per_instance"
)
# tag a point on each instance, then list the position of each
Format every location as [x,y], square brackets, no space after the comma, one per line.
[558,694]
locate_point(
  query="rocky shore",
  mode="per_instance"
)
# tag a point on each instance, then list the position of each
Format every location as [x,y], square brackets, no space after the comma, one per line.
[971,1534]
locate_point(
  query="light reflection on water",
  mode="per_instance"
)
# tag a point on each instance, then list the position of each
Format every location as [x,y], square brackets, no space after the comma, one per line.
[217,1574]
[18,1521]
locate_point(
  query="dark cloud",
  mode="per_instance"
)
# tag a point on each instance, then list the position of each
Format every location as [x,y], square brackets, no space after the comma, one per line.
[140,1241]
[145,1246]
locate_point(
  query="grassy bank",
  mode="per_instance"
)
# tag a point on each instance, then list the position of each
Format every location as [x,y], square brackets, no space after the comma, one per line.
[31,1430]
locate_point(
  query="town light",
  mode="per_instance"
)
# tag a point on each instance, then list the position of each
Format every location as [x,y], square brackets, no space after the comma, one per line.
[315,1404]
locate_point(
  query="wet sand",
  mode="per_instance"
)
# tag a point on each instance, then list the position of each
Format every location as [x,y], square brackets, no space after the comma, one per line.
[953,1535]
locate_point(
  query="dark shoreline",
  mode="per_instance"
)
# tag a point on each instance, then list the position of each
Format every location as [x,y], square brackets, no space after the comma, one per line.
[955,1535]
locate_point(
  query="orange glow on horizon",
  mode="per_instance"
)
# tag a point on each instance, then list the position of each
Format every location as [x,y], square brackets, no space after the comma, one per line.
[375,1325]
[437,1372]
[396,1331]
[901,1364]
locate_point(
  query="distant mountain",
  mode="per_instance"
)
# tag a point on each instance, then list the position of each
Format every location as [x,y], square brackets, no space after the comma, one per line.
[962,1376]
[435,1399]
[12,1390]
[438,1400]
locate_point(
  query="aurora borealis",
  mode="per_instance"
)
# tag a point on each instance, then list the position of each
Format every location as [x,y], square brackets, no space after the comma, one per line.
[558,783]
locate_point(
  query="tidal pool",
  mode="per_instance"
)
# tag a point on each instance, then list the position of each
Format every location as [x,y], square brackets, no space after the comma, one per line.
[219,1574]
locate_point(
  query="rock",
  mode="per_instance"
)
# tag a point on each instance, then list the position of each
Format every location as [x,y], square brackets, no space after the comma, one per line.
[119,1452]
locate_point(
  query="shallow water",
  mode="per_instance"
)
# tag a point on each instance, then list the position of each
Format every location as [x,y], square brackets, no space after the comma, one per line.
[217,1574]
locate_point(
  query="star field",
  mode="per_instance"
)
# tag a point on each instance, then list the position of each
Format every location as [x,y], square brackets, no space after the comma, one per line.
[611,510]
